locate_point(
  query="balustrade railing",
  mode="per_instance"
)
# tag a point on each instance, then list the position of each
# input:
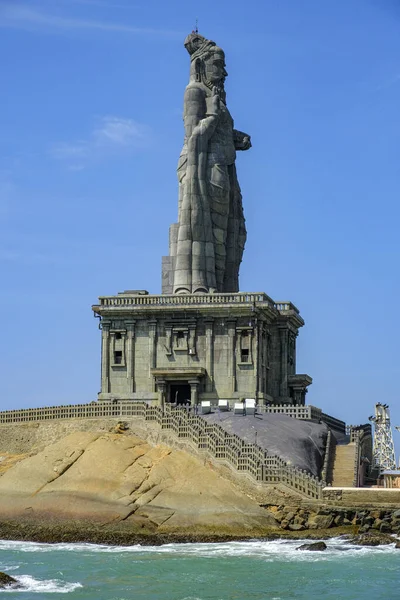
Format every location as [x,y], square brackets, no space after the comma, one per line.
[308,413]
[194,299]
[248,458]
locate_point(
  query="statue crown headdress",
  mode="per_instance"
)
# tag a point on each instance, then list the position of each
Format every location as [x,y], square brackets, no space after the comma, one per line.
[197,45]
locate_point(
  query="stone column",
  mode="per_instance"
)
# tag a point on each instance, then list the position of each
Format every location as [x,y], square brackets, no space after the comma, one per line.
[259,357]
[194,391]
[152,345]
[283,388]
[105,358]
[209,356]
[231,354]
[162,389]
[130,356]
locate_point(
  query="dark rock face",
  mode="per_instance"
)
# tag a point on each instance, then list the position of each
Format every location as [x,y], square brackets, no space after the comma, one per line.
[372,539]
[373,521]
[7,581]
[299,443]
[315,547]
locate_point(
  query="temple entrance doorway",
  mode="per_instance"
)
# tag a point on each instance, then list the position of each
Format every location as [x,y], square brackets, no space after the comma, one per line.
[179,392]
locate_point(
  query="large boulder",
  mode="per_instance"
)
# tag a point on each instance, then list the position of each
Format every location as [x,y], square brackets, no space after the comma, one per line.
[372,539]
[6,581]
[300,443]
[108,477]
[320,521]
[314,547]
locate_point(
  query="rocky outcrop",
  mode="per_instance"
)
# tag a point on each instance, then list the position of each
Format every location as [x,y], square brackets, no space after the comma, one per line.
[300,518]
[6,581]
[299,443]
[108,477]
[372,539]
[314,547]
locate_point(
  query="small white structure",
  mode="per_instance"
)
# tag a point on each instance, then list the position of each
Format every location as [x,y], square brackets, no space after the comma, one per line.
[238,408]
[250,404]
[205,407]
[223,405]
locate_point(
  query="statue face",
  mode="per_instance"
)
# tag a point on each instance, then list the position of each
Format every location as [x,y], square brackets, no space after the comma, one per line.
[215,68]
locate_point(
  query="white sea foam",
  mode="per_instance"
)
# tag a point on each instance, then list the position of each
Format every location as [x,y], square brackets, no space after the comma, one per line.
[266,550]
[6,568]
[48,586]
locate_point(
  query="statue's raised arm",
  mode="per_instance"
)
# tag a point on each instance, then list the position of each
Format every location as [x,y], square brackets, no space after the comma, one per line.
[211,233]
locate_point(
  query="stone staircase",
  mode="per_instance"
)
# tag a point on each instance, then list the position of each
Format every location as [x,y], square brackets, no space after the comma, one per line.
[343,466]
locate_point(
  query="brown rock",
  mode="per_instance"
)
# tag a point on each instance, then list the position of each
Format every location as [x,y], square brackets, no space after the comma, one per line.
[289,516]
[377,523]
[104,477]
[8,582]
[279,515]
[376,514]
[373,539]
[385,527]
[320,522]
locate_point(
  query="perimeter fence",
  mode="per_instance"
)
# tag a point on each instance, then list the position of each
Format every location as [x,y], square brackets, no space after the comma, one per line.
[246,458]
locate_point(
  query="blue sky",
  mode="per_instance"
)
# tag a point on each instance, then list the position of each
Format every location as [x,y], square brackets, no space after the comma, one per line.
[91,122]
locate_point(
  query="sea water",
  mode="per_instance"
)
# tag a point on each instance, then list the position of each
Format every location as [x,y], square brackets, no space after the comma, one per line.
[253,570]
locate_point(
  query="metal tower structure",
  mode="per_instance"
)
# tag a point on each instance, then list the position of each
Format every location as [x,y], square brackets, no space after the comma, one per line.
[398,429]
[383,451]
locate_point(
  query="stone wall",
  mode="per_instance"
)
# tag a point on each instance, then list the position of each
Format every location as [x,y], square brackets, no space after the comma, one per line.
[361,496]
[248,459]
[245,345]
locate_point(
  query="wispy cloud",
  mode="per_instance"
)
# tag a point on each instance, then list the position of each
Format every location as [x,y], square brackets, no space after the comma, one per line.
[22,16]
[111,136]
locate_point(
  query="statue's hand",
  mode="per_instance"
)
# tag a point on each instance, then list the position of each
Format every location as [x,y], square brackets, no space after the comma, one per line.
[215,102]
[246,144]
[242,140]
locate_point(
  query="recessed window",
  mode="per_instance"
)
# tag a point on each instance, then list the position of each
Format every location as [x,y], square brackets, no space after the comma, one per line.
[181,335]
[118,357]
[244,355]
[118,336]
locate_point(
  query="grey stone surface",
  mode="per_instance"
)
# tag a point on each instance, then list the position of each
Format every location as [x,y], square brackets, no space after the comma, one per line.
[208,240]
[299,443]
[212,346]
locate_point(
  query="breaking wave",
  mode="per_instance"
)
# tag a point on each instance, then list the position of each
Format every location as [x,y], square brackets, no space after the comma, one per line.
[48,586]
[267,550]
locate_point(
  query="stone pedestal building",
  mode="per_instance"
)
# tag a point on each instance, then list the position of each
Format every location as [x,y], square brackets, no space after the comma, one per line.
[192,347]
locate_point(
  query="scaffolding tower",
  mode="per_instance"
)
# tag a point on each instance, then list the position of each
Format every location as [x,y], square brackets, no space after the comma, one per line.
[383,452]
[398,429]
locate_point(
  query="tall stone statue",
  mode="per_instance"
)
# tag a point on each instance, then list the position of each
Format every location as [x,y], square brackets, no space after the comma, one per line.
[206,245]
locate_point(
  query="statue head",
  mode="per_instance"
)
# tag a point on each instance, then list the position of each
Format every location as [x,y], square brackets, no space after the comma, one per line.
[207,61]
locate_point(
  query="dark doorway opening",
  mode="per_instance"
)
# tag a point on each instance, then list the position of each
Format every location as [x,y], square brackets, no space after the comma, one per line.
[179,393]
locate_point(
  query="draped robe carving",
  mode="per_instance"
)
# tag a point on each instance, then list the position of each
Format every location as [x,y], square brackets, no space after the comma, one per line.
[211,232]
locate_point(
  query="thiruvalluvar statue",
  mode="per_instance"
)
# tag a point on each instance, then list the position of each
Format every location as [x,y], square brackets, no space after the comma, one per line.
[211,233]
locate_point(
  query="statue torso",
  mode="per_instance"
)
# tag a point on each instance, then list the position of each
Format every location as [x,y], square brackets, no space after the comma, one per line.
[221,148]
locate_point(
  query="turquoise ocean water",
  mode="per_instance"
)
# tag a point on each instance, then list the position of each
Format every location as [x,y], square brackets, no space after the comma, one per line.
[228,571]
